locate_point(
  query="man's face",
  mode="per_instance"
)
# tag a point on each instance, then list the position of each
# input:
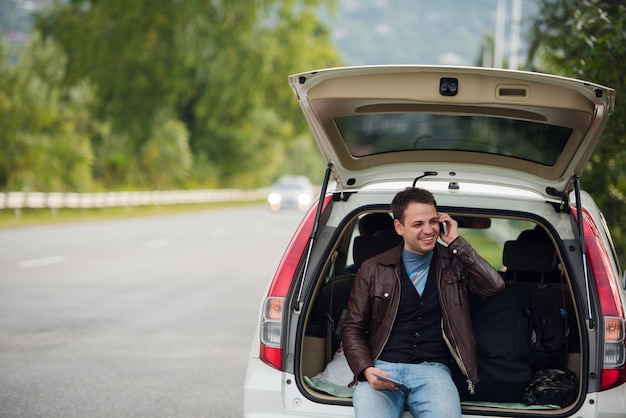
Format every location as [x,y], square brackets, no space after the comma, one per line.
[420,227]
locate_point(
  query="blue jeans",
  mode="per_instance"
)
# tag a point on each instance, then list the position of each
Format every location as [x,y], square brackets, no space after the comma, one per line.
[432,393]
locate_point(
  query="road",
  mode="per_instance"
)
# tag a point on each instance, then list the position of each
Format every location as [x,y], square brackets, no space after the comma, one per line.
[134,318]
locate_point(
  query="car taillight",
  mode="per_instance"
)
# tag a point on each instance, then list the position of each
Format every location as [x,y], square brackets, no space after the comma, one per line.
[271,351]
[271,323]
[607,284]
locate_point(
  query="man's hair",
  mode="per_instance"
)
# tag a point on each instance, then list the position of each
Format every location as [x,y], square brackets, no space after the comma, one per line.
[409,195]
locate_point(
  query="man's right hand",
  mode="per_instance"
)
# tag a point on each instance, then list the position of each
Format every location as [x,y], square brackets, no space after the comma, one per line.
[377,383]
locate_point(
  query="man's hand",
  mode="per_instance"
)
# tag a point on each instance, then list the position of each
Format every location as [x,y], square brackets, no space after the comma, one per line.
[377,383]
[451,227]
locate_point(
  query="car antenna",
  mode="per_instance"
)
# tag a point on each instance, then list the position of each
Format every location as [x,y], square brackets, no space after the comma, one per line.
[426,173]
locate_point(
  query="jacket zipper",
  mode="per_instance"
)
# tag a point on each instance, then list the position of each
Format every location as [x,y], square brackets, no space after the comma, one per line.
[452,344]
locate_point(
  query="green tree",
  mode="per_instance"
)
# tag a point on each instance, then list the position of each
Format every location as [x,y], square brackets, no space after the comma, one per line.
[219,68]
[44,125]
[166,156]
[587,39]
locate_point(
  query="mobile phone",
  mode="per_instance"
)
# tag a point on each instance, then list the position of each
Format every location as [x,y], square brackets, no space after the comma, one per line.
[444,228]
[396,383]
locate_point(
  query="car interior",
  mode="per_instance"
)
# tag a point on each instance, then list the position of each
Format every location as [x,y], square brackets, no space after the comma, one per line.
[528,260]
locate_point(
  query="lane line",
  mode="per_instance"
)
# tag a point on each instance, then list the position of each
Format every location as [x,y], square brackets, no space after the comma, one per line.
[46,261]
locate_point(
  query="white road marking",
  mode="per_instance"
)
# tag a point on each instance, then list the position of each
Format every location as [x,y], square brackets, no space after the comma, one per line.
[155,243]
[37,262]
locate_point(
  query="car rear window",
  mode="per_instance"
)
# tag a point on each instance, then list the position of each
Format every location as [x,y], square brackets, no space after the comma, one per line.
[371,134]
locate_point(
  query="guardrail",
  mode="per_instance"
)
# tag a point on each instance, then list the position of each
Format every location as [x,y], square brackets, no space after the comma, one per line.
[57,200]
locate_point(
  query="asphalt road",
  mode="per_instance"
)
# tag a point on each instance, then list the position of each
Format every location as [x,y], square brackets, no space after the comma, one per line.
[134,318]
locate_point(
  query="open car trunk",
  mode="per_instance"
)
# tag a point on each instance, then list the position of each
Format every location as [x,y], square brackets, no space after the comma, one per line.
[504,150]
[539,278]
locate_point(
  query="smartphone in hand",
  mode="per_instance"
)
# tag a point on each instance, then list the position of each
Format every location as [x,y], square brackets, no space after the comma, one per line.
[443,228]
[396,383]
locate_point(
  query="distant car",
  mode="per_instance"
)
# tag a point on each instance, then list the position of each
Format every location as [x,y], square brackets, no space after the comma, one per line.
[291,191]
[502,151]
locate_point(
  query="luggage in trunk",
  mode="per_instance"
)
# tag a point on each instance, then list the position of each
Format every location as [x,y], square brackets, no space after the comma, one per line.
[503,328]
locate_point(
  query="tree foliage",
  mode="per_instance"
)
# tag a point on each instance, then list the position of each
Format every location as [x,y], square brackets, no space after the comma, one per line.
[587,39]
[45,126]
[217,69]
[166,156]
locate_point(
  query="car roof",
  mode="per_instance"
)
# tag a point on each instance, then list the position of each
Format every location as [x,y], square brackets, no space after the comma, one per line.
[517,129]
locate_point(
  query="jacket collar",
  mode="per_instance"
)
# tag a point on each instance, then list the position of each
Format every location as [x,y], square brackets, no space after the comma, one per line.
[393,257]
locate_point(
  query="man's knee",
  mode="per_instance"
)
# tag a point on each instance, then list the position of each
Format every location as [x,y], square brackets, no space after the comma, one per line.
[369,402]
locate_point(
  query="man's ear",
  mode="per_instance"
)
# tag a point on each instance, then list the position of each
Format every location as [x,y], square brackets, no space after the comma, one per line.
[398,226]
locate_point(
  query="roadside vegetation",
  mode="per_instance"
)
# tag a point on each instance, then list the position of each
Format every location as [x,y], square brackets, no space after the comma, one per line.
[143,95]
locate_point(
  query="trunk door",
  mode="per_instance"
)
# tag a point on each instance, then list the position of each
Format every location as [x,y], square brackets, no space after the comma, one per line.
[524,130]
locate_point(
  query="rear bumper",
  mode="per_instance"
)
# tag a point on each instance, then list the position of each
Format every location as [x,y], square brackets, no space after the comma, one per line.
[262,391]
[606,404]
[270,393]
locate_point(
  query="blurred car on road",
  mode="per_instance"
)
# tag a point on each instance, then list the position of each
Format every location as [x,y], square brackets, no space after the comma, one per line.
[291,191]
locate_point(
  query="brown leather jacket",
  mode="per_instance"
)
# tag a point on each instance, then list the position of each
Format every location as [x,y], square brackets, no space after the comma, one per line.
[376,295]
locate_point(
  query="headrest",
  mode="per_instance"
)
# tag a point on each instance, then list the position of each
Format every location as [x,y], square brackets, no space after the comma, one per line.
[530,256]
[366,247]
[375,221]
[387,234]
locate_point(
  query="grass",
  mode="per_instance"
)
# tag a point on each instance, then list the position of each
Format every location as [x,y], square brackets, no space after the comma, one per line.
[488,248]
[10,218]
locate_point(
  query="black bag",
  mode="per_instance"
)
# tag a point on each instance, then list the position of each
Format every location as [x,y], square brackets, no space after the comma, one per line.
[548,349]
[502,326]
[552,387]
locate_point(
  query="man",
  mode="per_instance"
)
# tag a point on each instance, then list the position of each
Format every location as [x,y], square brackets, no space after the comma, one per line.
[408,315]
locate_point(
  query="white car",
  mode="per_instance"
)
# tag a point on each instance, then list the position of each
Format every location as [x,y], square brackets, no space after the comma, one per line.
[503,152]
[291,191]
